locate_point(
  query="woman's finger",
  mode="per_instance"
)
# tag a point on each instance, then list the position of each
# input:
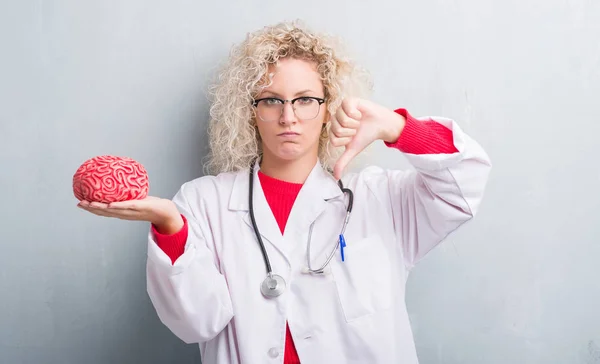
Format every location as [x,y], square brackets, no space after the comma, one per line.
[117,213]
[339,142]
[346,121]
[341,132]
[98,205]
[125,205]
[95,211]
[351,107]
[145,204]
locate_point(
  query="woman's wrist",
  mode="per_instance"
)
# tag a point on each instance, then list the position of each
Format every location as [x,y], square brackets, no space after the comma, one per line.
[171,223]
[396,125]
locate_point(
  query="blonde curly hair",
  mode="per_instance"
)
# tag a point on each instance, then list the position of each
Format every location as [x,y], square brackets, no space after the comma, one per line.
[233,136]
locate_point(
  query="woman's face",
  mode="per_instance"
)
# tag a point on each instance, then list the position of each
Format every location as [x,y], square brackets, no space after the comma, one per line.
[287,134]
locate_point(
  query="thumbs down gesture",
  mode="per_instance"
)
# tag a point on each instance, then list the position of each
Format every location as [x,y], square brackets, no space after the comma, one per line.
[359,122]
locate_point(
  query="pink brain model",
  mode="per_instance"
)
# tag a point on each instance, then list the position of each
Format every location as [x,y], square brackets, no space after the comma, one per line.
[110,179]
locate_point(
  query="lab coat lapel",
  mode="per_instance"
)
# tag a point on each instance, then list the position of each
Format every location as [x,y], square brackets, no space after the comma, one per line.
[265,220]
[312,200]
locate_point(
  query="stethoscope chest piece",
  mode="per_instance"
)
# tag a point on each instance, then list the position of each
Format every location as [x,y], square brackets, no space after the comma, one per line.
[272,286]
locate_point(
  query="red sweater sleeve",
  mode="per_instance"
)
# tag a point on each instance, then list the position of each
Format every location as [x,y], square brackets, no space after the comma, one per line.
[423,137]
[173,245]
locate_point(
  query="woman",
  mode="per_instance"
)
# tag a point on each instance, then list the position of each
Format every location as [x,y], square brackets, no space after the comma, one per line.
[249,262]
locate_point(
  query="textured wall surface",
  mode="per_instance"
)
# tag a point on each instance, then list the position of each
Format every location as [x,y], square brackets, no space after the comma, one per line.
[519,284]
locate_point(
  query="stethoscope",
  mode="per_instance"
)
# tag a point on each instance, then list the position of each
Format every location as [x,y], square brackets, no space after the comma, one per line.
[274,285]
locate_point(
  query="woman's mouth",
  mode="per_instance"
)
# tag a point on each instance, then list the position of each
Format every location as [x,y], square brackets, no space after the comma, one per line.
[288,134]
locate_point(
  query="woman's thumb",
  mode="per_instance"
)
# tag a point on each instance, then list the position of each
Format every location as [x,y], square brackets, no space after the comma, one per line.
[343,161]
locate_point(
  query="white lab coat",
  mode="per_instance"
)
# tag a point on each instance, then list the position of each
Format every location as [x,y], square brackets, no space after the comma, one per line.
[355,313]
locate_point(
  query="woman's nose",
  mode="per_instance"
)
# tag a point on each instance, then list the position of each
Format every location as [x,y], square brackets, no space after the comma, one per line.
[288,115]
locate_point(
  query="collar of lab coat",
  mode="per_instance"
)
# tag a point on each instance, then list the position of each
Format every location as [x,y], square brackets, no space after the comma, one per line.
[319,187]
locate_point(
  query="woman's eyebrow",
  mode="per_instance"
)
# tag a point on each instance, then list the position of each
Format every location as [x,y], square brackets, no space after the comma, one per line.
[308,91]
[275,94]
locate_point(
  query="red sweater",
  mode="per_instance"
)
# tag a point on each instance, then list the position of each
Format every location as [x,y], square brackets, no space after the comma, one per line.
[418,137]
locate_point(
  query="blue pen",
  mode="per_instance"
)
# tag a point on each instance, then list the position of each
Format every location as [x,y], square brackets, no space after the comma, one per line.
[342,245]
[342,240]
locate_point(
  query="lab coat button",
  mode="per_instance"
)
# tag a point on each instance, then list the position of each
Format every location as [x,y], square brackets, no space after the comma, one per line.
[273,352]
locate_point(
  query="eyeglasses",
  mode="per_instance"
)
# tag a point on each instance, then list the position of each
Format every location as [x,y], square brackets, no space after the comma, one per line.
[270,109]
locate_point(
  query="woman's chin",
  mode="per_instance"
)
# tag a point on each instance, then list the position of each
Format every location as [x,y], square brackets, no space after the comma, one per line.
[288,157]
[289,152]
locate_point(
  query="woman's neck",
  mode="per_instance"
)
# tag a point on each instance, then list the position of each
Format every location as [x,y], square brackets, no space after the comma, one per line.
[294,171]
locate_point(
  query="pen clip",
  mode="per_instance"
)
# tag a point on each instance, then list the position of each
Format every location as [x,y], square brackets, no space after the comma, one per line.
[342,246]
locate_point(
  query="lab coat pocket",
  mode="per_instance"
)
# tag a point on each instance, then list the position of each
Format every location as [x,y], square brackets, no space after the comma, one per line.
[363,279]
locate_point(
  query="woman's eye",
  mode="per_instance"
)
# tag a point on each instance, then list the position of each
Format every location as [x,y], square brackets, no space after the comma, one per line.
[305,100]
[272,102]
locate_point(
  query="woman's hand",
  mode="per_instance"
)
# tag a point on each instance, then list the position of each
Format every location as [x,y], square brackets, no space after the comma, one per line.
[159,211]
[357,123]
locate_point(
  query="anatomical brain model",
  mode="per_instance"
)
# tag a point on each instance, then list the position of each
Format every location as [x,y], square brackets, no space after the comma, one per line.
[110,179]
